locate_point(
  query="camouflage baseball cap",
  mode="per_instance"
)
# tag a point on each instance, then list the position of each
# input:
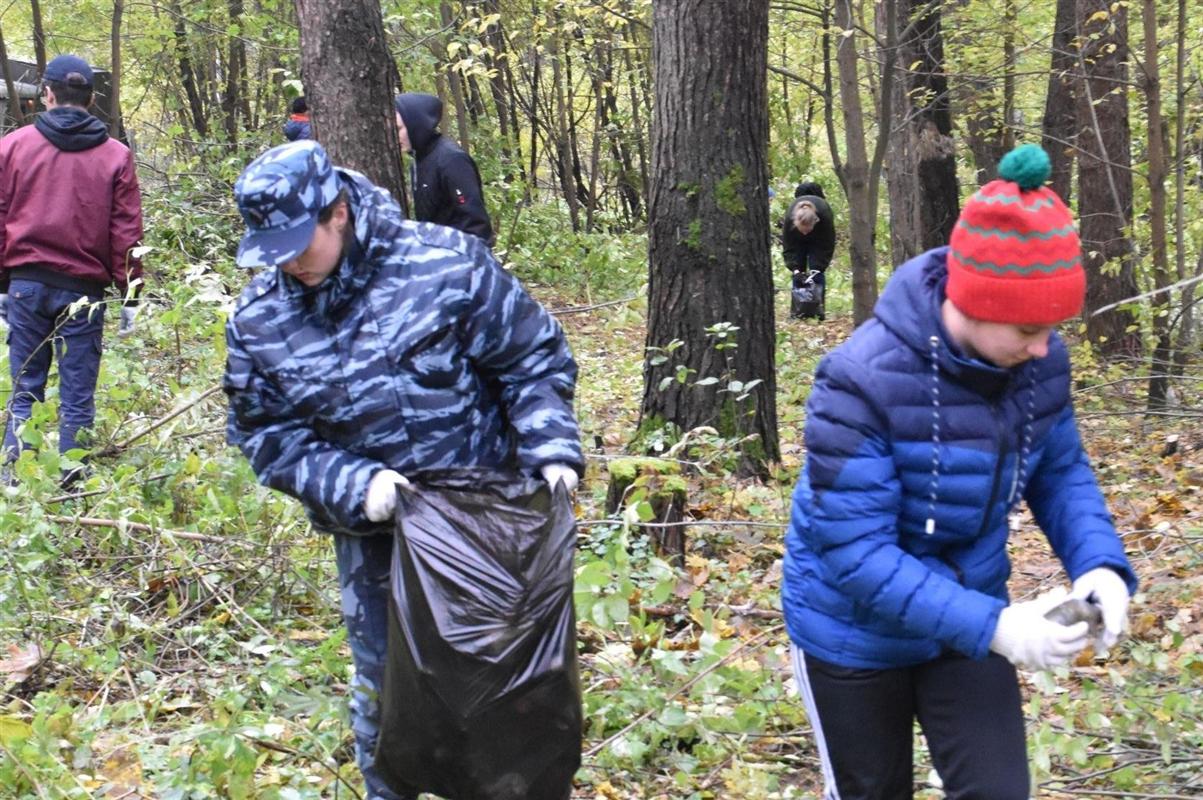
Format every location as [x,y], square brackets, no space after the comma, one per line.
[280,194]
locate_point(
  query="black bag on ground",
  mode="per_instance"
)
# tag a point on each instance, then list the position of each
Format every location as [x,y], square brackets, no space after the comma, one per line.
[481,697]
[806,296]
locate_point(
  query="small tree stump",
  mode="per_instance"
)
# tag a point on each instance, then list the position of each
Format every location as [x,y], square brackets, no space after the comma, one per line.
[657,491]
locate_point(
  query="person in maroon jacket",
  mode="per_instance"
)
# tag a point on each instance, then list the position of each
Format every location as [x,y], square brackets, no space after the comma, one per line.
[70,216]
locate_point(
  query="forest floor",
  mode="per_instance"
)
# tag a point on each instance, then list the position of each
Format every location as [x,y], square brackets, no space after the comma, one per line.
[202,655]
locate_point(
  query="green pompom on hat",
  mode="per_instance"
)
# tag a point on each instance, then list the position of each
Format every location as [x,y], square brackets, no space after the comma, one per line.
[1028,165]
[1014,255]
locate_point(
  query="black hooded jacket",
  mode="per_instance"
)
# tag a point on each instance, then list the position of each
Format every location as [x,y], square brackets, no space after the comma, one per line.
[446,183]
[71,129]
[815,249]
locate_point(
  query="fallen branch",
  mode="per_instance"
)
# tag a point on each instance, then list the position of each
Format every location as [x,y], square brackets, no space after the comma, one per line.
[582,309]
[666,611]
[62,498]
[1129,794]
[94,522]
[1145,295]
[701,523]
[292,751]
[113,449]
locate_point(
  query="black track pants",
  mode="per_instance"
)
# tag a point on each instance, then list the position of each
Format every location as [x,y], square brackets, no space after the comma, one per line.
[863,723]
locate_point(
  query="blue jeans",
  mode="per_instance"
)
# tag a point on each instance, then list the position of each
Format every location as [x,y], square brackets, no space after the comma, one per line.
[363,568]
[37,318]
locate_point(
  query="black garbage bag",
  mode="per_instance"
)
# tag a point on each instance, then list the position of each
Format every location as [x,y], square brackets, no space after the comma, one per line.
[806,296]
[481,697]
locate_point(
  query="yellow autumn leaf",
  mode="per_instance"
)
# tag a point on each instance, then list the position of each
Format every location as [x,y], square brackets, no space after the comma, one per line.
[606,791]
[14,730]
[123,768]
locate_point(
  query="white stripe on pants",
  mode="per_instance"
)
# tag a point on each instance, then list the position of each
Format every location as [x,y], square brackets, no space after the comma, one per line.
[830,791]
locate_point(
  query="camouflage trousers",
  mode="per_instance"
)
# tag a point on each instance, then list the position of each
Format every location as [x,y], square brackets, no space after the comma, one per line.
[363,566]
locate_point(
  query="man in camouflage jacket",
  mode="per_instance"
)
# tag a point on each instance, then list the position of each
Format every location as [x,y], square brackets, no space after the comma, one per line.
[371,347]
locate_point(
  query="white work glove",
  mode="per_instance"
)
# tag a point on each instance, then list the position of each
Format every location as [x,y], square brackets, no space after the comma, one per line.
[128,316]
[1029,641]
[554,473]
[4,310]
[1105,588]
[381,501]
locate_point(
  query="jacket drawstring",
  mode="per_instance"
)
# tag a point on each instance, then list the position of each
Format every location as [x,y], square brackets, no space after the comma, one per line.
[930,527]
[1025,447]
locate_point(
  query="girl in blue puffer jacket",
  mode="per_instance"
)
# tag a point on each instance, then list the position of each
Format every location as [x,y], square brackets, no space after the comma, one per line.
[924,431]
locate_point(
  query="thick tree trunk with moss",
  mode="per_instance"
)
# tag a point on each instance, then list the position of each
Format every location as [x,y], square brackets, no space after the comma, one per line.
[350,80]
[708,256]
[656,493]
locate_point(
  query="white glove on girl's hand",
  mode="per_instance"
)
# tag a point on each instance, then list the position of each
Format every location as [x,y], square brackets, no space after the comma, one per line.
[4,310]
[1104,587]
[381,501]
[1029,641]
[554,473]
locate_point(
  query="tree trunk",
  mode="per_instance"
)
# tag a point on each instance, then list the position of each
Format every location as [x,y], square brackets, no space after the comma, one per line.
[244,77]
[493,39]
[1060,117]
[1009,116]
[861,176]
[196,105]
[841,169]
[533,118]
[710,296]
[982,116]
[636,85]
[1186,324]
[115,71]
[599,130]
[1162,354]
[456,85]
[349,85]
[561,135]
[236,54]
[14,100]
[922,183]
[39,35]
[574,138]
[1104,174]
[620,150]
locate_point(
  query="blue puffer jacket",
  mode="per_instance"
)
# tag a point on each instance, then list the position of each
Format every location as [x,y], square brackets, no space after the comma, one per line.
[418,352]
[916,455]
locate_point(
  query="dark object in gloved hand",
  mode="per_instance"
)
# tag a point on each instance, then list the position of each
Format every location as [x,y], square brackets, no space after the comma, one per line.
[1075,610]
[481,697]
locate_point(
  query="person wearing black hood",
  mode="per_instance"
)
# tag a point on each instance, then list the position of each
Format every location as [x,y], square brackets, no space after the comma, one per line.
[446,183]
[70,218]
[808,242]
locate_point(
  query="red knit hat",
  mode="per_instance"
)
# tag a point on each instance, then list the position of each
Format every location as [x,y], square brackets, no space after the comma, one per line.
[1014,255]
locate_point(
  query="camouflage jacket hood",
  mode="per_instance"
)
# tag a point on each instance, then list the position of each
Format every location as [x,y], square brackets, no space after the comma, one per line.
[419,352]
